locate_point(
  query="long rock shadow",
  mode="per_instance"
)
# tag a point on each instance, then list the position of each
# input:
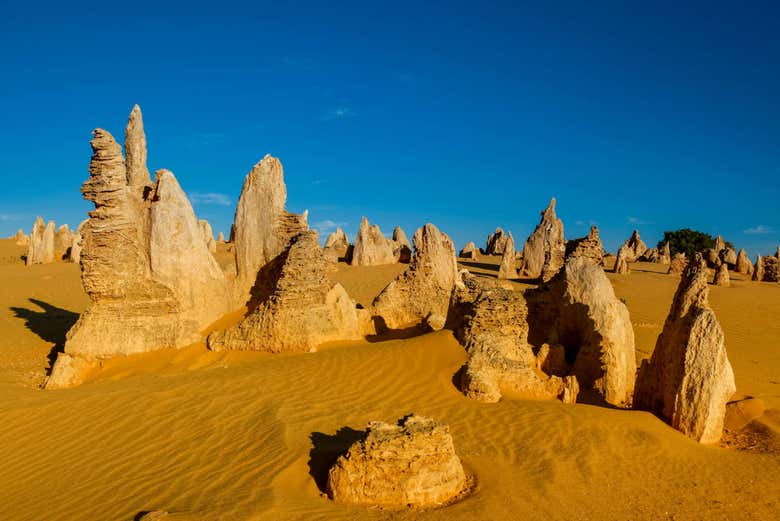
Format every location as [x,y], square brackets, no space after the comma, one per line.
[51,324]
[326,449]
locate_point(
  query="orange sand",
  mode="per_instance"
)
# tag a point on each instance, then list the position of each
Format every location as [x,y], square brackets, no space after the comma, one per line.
[248,435]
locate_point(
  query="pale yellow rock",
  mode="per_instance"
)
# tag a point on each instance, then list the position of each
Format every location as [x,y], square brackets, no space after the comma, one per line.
[208,235]
[302,308]
[263,228]
[596,327]
[336,246]
[470,251]
[221,237]
[743,264]
[402,248]
[544,251]
[666,256]
[425,287]
[63,241]
[40,249]
[496,242]
[688,380]
[621,262]
[371,247]
[635,247]
[135,151]
[722,276]
[589,247]
[678,264]
[20,239]
[507,270]
[412,463]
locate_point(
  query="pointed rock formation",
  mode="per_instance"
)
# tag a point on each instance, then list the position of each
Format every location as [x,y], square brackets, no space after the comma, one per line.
[412,463]
[589,247]
[402,249]
[336,246]
[221,237]
[650,255]
[507,270]
[422,292]
[152,282]
[595,328]
[758,271]
[371,247]
[720,244]
[678,264]
[496,242]
[302,308]
[470,251]
[688,380]
[63,240]
[621,262]
[743,264]
[494,332]
[636,247]
[545,248]
[767,269]
[729,256]
[208,235]
[41,247]
[722,275]
[263,228]
[20,239]
[666,255]
[135,151]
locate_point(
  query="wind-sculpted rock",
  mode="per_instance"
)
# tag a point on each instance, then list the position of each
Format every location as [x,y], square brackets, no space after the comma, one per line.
[494,332]
[666,255]
[722,275]
[595,328]
[636,247]
[743,264]
[402,249]
[688,380]
[76,245]
[208,235]
[729,256]
[678,264]
[40,249]
[422,292]
[152,282]
[470,251]
[20,239]
[650,255]
[302,307]
[545,248]
[496,242]
[135,151]
[507,270]
[767,269]
[621,262]
[221,237]
[263,228]
[589,247]
[336,246]
[412,463]
[63,241]
[371,247]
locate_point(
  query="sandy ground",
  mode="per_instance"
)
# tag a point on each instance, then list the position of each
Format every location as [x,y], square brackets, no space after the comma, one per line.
[249,436]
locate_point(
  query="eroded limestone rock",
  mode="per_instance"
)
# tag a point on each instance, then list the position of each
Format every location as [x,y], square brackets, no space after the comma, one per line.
[496,242]
[743,264]
[470,251]
[621,262]
[636,247]
[371,247]
[722,276]
[412,463]
[688,380]
[402,249]
[666,255]
[422,292]
[40,249]
[545,248]
[678,264]
[336,246]
[766,269]
[507,270]
[20,239]
[302,307]
[589,247]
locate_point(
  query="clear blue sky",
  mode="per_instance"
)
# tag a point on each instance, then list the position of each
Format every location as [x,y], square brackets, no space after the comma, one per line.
[633,114]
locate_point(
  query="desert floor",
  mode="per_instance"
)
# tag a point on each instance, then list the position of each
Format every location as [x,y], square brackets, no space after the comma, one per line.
[249,436]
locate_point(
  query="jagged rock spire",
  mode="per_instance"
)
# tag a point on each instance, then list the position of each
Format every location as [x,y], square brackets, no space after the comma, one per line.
[135,150]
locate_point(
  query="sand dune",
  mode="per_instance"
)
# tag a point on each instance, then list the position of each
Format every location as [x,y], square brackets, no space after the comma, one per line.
[245,435]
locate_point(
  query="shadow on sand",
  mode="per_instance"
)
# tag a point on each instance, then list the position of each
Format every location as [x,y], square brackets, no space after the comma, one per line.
[51,324]
[325,451]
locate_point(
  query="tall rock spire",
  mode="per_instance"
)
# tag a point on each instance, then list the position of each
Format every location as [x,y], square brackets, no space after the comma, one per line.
[135,150]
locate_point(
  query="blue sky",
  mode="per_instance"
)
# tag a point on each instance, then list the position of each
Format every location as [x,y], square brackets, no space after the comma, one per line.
[652,115]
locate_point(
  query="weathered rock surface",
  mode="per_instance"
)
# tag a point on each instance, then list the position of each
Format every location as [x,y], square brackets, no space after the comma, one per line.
[152,282]
[678,264]
[494,332]
[63,240]
[75,248]
[221,237]
[595,328]
[40,249]
[336,246]
[666,254]
[767,269]
[135,151]
[688,380]
[589,247]
[507,269]
[729,256]
[650,255]
[722,275]
[743,264]
[302,308]
[371,247]
[496,242]
[208,235]
[422,292]
[20,239]
[621,262]
[636,247]
[545,248]
[758,270]
[470,251]
[412,463]
[263,228]
[402,249]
